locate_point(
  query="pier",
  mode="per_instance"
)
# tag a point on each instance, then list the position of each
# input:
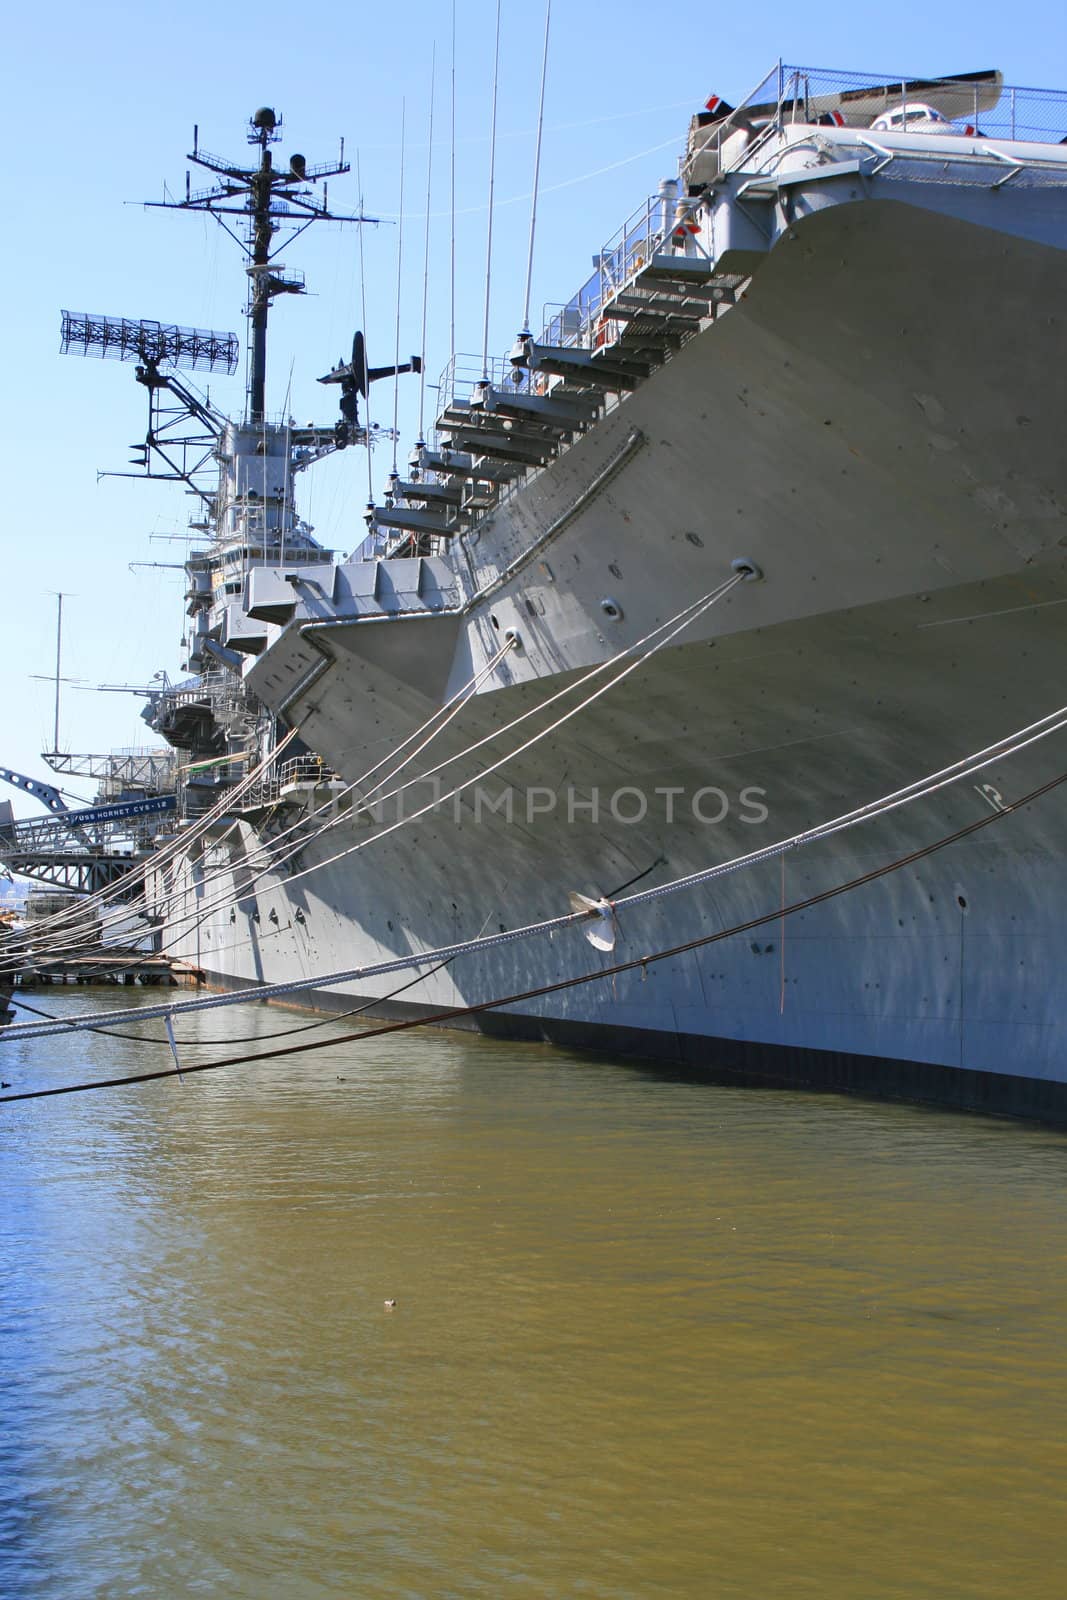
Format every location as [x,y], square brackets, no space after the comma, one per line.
[110,966]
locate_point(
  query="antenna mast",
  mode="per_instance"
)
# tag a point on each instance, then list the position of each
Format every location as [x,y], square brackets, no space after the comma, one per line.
[55,678]
[59,660]
[270,202]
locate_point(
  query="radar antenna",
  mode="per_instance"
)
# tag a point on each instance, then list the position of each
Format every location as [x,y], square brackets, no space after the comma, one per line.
[355,376]
[183,426]
[120,339]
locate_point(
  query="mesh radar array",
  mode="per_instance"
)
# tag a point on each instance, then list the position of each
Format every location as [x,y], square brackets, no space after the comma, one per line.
[153,343]
[183,426]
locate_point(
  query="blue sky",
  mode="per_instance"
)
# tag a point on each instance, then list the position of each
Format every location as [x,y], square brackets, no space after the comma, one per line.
[100,106]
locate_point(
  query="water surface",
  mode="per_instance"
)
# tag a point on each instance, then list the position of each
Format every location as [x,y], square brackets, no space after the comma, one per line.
[653,1337]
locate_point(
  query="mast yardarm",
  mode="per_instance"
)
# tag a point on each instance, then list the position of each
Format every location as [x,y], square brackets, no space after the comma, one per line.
[277,205]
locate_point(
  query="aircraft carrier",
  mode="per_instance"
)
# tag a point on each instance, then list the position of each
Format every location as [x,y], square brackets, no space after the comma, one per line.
[766,527]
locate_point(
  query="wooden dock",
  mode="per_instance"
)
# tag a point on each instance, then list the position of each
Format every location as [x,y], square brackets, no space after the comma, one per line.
[111,967]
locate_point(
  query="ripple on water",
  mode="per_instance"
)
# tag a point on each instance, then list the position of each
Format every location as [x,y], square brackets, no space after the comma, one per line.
[652,1337]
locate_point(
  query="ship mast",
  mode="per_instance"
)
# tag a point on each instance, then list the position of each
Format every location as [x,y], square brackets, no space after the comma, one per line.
[275,205]
[261,185]
[249,515]
[261,191]
[262,207]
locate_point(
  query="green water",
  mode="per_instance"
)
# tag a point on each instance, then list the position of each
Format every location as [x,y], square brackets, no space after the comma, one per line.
[652,1337]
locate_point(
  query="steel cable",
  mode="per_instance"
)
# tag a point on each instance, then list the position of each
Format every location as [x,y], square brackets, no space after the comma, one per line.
[453,1013]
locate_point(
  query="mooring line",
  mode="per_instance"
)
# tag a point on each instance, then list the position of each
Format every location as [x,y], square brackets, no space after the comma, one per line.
[455,1012]
[917,790]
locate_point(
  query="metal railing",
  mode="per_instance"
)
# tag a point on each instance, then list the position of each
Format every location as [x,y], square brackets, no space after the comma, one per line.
[306,769]
[653,225]
[218,691]
[978,107]
[64,834]
[787,96]
[993,109]
[464,373]
[658,223]
[134,767]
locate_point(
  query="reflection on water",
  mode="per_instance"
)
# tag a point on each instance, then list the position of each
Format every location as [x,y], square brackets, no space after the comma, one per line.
[653,1338]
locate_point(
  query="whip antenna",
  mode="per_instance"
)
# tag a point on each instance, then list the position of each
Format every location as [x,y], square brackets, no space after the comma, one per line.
[363,302]
[399,266]
[492,181]
[452,346]
[426,252]
[525,334]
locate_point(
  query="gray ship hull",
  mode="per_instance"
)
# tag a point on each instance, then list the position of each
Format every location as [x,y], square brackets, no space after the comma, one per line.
[877,426]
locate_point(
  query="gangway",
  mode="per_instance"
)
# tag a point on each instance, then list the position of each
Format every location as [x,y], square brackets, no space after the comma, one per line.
[86,850]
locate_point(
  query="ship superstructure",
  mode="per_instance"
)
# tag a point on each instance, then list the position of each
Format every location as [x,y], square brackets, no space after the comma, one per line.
[242,472]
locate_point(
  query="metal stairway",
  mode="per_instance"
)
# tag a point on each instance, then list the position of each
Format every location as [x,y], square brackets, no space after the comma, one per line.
[498,434]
